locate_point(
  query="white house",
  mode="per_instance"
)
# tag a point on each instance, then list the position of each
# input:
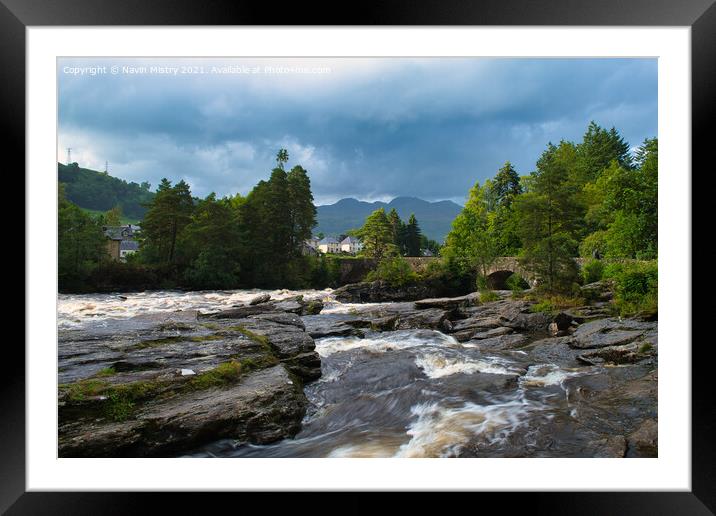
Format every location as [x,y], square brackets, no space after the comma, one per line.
[127,247]
[312,242]
[329,245]
[351,245]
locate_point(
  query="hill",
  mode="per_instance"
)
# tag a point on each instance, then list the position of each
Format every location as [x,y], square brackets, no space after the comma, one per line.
[97,191]
[435,218]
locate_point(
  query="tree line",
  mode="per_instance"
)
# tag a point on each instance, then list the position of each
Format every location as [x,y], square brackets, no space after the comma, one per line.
[592,199]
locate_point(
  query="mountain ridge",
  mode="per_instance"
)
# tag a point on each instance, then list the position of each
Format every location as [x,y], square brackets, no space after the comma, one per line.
[434,217]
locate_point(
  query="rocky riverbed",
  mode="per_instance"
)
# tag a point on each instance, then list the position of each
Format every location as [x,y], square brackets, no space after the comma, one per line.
[282,374]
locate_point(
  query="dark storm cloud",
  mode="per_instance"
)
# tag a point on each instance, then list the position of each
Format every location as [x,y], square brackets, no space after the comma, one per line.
[370,128]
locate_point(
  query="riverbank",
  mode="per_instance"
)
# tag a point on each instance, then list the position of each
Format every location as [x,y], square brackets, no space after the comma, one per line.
[292,376]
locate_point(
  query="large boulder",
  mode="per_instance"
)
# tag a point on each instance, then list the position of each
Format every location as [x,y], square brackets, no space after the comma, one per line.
[501,342]
[381,292]
[264,407]
[609,332]
[447,303]
[519,318]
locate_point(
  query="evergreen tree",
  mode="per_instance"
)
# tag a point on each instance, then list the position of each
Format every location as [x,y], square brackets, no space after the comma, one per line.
[302,210]
[549,219]
[598,149]
[377,235]
[398,229]
[168,214]
[213,240]
[412,237]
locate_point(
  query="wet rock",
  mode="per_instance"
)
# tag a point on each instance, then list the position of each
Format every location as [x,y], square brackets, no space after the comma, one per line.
[282,318]
[494,332]
[240,312]
[614,446]
[381,291]
[313,307]
[323,329]
[561,324]
[262,298]
[598,291]
[447,303]
[643,442]
[514,317]
[499,343]
[385,323]
[427,318]
[608,332]
[625,354]
[264,407]
[290,305]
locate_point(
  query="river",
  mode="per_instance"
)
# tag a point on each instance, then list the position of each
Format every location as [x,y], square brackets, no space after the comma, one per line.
[414,393]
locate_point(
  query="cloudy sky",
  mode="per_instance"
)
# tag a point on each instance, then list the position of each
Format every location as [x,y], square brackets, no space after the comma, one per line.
[372,129]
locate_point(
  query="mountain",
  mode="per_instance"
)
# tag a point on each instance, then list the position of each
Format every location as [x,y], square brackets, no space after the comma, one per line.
[434,218]
[98,191]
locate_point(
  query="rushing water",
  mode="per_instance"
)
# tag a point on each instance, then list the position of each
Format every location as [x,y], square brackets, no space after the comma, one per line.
[412,393]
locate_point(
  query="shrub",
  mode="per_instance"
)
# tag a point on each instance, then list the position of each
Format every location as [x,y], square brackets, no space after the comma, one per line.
[488,295]
[592,271]
[516,283]
[637,288]
[396,271]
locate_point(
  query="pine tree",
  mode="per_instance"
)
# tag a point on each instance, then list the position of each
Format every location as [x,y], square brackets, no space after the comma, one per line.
[549,219]
[302,210]
[377,235]
[398,230]
[412,237]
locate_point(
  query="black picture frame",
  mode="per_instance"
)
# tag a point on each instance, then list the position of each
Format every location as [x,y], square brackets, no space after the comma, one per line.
[700,15]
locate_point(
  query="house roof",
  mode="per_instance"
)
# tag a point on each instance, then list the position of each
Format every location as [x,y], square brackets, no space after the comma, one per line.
[350,240]
[129,245]
[120,232]
[328,240]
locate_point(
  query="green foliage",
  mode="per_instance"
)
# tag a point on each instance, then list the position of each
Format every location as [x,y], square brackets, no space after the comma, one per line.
[81,244]
[470,240]
[516,283]
[594,245]
[450,276]
[487,296]
[550,216]
[396,271]
[377,236]
[636,287]
[592,271]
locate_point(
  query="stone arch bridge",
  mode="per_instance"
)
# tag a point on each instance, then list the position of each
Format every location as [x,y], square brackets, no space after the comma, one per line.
[504,266]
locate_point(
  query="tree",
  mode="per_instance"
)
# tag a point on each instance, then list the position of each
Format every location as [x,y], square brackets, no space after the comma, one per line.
[114,216]
[412,237]
[598,149]
[213,241]
[302,212]
[549,219]
[377,235]
[505,186]
[168,214]
[281,158]
[398,229]
[470,242]
[81,243]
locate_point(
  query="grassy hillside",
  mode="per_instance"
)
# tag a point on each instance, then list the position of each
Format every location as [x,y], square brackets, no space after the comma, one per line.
[97,191]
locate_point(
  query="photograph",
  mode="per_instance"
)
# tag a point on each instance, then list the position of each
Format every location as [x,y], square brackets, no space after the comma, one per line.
[344,257]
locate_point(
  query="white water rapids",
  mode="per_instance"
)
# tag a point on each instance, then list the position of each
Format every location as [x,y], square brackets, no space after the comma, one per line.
[409,393]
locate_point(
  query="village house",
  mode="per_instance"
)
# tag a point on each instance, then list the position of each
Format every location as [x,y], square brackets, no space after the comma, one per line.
[121,241]
[329,245]
[351,245]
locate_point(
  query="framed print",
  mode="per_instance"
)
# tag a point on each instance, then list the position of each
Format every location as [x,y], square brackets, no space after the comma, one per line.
[420,251]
